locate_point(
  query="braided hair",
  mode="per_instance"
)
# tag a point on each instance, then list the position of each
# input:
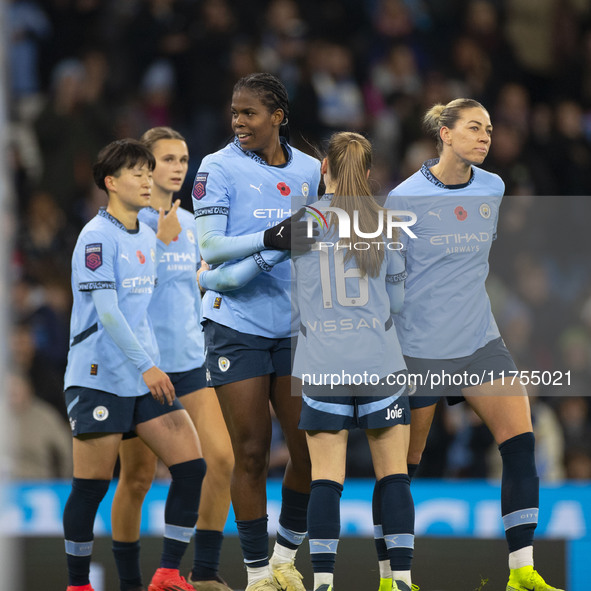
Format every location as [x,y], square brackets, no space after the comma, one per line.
[271,92]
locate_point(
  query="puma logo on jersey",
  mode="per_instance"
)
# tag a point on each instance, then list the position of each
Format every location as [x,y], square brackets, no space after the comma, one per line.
[124,256]
[257,188]
[280,233]
[437,214]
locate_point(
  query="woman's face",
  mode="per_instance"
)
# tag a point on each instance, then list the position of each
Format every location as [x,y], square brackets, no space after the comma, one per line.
[255,127]
[470,137]
[172,161]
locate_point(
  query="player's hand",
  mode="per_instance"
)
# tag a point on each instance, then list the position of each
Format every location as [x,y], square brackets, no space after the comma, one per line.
[204,267]
[291,234]
[169,226]
[159,384]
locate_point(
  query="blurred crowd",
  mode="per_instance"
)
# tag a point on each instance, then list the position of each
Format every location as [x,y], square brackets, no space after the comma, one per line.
[85,72]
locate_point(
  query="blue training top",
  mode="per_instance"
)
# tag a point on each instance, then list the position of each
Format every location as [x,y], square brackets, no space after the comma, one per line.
[447,311]
[175,309]
[109,257]
[252,196]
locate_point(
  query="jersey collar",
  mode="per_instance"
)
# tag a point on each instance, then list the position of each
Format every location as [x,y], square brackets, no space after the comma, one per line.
[433,179]
[260,160]
[102,212]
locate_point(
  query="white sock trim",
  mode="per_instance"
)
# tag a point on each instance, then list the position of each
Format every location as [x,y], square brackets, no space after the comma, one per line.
[282,554]
[258,573]
[385,570]
[402,575]
[521,557]
[323,579]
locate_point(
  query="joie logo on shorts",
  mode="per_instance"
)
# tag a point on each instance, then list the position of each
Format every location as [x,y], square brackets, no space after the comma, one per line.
[393,413]
[100,413]
[224,363]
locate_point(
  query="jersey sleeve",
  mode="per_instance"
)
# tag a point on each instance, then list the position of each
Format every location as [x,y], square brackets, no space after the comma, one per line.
[397,203]
[211,189]
[95,256]
[238,274]
[395,277]
[211,204]
[111,317]
[216,247]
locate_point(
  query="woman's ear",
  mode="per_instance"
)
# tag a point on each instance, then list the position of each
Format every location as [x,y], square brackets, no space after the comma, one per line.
[278,117]
[445,135]
[109,183]
[324,166]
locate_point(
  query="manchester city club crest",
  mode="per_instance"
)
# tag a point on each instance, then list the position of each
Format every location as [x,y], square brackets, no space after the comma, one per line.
[100,413]
[305,189]
[224,363]
[485,210]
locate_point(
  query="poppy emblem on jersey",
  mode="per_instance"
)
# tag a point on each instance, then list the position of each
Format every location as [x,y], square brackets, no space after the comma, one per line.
[140,256]
[485,210]
[224,363]
[461,213]
[100,413]
[305,189]
[93,256]
[200,185]
[283,189]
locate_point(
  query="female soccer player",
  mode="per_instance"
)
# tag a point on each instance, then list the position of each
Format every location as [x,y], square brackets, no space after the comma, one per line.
[180,340]
[112,383]
[346,291]
[239,195]
[446,327]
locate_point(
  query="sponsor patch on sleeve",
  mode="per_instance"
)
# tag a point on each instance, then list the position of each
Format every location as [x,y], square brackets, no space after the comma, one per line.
[200,185]
[93,256]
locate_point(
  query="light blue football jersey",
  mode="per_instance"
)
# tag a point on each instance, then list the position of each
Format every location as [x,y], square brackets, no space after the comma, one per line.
[345,318]
[254,196]
[175,309]
[108,256]
[447,311]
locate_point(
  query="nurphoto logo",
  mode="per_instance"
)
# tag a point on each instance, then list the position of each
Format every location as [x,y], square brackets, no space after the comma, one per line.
[388,219]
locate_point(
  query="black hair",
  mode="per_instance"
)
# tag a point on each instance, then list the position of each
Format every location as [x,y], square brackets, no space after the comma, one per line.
[118,155]
[271,92]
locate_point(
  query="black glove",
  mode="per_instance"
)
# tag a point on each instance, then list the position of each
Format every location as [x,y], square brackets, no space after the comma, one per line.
[291,234]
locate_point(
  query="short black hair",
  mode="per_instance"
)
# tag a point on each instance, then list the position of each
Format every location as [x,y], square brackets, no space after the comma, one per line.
[118,155]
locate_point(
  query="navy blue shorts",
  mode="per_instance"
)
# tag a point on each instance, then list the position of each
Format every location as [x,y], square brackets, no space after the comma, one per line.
[354,407]
[447,377]
[184,382]
[95,411]
[232,356]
